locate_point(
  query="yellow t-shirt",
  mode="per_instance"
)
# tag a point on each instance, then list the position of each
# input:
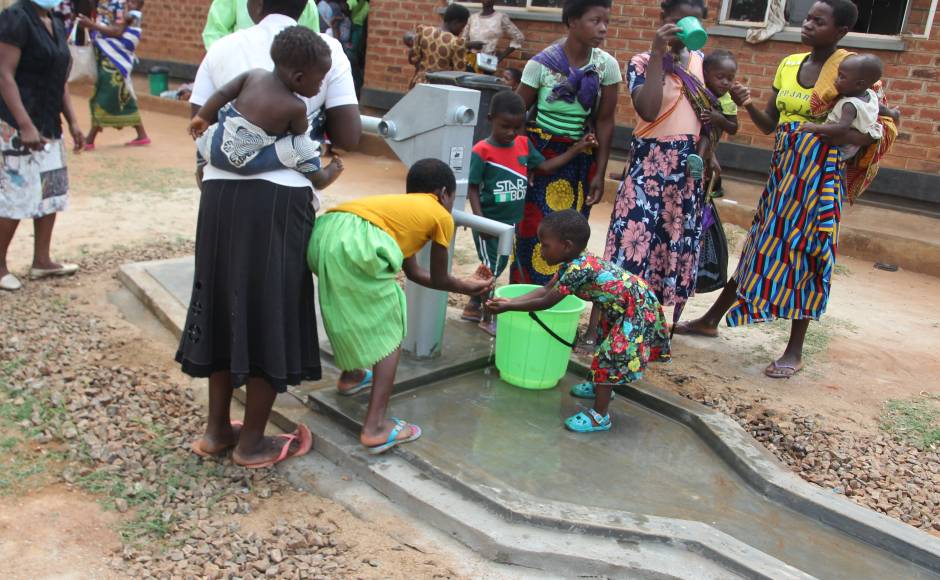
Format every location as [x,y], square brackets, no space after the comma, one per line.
[727,106]
[410,219]
[792,97]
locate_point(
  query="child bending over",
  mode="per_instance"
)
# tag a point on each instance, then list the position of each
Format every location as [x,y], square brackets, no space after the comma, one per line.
[266,126]
[499,175]
[858,106]
[357,251]
[632,328]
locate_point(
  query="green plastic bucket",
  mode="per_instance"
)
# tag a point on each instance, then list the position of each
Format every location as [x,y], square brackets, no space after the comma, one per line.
[526,355]
[159,80]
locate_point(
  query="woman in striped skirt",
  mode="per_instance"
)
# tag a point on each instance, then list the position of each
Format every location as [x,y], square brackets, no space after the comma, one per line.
[789,256]
[116,34]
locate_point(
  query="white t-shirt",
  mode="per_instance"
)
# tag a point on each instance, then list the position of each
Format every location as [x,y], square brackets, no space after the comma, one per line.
[866,120]
[248,49]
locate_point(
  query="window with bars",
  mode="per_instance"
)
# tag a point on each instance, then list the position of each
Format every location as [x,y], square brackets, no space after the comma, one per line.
[526,4]
[879,17]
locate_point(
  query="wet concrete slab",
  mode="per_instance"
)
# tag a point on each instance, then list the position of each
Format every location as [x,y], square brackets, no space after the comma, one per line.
[464,346]
[506,446]
[501,439]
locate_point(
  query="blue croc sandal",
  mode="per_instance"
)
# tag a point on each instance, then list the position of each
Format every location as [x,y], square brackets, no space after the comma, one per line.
[364,384]
[581,423]
[585,390]
[393,440]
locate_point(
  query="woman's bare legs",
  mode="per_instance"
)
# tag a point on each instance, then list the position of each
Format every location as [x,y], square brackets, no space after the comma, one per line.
[253,446]
[92,135]
[42,257]
[707,324]
[219,434]
[7,229]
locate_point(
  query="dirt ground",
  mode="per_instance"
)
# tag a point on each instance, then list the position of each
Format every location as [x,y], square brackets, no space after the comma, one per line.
[878,342]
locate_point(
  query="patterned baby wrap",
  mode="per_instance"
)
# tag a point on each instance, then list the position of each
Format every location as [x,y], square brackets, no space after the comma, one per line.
[237,145]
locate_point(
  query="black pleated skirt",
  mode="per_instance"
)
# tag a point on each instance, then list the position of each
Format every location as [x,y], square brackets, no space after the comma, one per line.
[252,310]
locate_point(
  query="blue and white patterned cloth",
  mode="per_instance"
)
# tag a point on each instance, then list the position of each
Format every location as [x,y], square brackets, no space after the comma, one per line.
[237,145]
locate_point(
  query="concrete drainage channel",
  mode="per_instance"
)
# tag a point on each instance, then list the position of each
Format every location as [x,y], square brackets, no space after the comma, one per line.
[674,490]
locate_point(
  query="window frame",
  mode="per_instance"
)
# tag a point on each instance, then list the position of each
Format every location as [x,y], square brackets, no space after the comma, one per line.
[723,20]
[514,10]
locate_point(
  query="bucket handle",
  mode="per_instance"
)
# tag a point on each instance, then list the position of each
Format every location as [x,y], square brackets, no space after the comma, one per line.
[551,332]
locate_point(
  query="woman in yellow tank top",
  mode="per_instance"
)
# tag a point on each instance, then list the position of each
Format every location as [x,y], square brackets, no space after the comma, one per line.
[786,266]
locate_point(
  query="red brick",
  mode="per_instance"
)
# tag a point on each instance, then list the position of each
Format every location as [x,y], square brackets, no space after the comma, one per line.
[905,86]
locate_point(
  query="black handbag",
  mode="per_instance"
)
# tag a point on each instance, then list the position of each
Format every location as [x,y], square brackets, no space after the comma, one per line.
[713,252]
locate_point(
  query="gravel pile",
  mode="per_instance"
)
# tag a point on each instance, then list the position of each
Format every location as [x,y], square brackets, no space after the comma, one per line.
[127,429]
[877,472]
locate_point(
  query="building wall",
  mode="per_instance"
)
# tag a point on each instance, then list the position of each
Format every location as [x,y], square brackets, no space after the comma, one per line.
[173,31]
[912,75]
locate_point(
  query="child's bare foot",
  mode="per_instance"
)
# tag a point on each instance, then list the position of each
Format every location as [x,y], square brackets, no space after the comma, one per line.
[353,382]
[375,440]
[213,444]
[329,174]
[697,327]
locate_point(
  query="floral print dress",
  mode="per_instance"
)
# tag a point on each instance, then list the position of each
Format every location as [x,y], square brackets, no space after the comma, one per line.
[632,330]
[656,224]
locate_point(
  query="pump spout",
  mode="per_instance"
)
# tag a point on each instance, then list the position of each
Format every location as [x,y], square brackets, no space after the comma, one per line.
[503,232]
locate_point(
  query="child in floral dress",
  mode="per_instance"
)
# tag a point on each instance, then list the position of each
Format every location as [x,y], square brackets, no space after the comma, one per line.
[632,329]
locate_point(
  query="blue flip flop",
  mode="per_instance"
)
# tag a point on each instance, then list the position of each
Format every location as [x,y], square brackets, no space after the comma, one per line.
[392,440]
[581,422]
[364,384]
[585,390]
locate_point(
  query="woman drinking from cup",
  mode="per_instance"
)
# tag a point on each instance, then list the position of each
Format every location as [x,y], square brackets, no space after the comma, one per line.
[657,218]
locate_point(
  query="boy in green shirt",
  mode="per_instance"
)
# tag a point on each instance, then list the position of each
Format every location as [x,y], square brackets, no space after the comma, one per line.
[499,178]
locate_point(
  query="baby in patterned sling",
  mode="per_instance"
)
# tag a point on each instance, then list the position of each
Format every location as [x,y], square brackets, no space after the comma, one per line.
[261,123]
[632,329]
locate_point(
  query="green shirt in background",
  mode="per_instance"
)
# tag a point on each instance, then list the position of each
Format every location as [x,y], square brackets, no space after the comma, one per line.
[560,117]
[358,10]
[227,16]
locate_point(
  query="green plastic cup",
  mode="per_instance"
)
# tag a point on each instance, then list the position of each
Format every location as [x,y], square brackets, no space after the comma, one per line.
[526,355]
[692,35]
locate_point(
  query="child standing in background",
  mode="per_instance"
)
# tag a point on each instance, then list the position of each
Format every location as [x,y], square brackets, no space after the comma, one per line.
[357,251]
[499,176]
[632,330]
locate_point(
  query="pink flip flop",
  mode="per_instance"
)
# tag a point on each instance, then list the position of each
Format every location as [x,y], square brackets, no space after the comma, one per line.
[198,450]
[138,142]
[305,443]
[89,146]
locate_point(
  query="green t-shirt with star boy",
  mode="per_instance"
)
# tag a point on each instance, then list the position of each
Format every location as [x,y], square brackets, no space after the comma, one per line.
[502,174]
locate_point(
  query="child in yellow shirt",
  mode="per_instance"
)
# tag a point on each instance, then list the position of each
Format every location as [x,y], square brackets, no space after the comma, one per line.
[356,251]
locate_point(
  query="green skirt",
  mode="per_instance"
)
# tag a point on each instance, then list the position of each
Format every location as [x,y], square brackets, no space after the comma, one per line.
[361,302]
[113,104]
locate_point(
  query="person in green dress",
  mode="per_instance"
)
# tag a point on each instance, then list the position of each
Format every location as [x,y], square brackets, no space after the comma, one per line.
[227,16]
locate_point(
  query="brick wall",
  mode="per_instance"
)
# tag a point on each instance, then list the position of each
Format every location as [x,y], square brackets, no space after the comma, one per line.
[912,76]
[173,31]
